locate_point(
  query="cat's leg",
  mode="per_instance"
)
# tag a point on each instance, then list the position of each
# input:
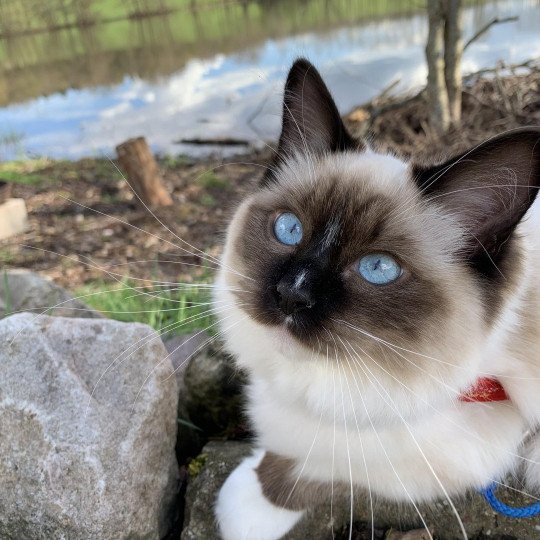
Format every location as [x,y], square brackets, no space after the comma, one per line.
[531,454]
[262,499]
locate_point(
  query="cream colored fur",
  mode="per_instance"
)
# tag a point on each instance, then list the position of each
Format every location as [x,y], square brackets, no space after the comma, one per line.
[408,437]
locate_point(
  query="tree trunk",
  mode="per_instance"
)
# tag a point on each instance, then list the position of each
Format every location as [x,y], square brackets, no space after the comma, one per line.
[142,172]
[436,84]
[453,51]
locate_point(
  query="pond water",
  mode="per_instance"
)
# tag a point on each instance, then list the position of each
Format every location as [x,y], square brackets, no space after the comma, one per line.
[218,72]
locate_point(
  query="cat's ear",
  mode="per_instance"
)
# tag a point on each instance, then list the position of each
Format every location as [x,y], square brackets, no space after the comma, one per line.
[488,189]
[311,122]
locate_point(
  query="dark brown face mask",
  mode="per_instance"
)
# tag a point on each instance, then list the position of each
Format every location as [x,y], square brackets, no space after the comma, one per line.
[305,287]
[314,287]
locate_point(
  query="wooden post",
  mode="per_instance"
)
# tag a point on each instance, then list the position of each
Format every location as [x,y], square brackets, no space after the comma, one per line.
[142,172]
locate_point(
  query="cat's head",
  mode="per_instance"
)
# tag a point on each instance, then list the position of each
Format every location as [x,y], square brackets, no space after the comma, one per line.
[352,260]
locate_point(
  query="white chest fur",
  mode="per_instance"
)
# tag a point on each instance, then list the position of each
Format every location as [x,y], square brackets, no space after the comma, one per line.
[462,446]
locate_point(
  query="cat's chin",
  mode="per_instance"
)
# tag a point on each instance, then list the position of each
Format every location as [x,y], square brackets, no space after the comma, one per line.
[286,341]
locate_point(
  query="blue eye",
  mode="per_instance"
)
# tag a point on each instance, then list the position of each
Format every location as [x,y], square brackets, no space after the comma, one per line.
[379,269]
[288,229]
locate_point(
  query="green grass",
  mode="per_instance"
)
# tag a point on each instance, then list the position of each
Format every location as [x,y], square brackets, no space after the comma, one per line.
[173,162]
[18,178]
[6,256]
[210,179]
[25,172]
[196,465]
[167,311]
[208,200]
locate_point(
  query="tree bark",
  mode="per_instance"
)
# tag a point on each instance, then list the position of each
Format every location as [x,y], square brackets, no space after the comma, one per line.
[453,51]
[436,84]
[142,172]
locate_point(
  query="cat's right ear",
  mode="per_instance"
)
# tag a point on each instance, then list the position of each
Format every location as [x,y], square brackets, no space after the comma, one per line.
[311,124]
[488,189]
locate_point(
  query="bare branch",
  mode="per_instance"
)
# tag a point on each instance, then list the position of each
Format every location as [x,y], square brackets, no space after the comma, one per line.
[484,29]
[532,63]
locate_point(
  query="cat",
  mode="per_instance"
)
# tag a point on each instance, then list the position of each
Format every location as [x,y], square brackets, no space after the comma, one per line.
[368,296]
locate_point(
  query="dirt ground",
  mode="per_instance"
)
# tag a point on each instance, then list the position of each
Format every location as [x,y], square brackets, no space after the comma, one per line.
[85,223]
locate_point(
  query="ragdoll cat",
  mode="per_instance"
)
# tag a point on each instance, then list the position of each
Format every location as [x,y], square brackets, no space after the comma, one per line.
[369,300]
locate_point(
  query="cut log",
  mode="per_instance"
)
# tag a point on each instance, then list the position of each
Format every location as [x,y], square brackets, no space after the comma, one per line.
[142,172]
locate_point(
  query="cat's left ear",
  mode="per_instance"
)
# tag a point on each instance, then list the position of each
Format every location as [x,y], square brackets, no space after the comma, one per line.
[311,122]
[488,189]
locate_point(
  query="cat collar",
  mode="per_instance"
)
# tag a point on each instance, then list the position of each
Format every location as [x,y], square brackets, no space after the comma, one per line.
[485,390]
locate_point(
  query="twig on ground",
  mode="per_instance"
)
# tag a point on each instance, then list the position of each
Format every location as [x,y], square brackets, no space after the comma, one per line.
[219,141]
[532,64]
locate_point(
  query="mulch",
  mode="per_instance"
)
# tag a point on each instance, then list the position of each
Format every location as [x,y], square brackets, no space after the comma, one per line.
[493,101]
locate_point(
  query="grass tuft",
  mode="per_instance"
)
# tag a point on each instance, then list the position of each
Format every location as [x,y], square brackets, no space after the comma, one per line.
[168,309]
[210,179]
[196,465]
[25,172]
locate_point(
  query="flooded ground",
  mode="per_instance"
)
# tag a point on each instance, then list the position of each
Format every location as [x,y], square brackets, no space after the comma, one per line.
[216,69]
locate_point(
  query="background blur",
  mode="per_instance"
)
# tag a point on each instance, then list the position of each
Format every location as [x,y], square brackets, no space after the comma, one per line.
[109,104]
[201,81]
[78,77]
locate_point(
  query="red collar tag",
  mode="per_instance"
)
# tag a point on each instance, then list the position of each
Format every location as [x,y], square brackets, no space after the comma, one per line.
[484,390]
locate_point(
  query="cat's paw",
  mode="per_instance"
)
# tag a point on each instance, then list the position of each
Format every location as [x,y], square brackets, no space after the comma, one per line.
[244,513]
[532,464]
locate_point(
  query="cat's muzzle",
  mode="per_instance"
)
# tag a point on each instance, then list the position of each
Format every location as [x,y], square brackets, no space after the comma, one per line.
[292,299]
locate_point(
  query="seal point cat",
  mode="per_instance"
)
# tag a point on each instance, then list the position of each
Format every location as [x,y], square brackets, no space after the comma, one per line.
[365,296]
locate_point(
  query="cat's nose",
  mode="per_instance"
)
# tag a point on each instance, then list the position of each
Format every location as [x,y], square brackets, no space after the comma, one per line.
[292,299]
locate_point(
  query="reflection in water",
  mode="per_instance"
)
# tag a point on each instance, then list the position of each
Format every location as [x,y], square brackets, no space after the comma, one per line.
[101,55]
[218,73]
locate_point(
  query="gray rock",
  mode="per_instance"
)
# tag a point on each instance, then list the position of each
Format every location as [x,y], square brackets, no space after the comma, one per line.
[183,348]
[21,290]
[415,534]
[479,520]
[221,459]
[87,430]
